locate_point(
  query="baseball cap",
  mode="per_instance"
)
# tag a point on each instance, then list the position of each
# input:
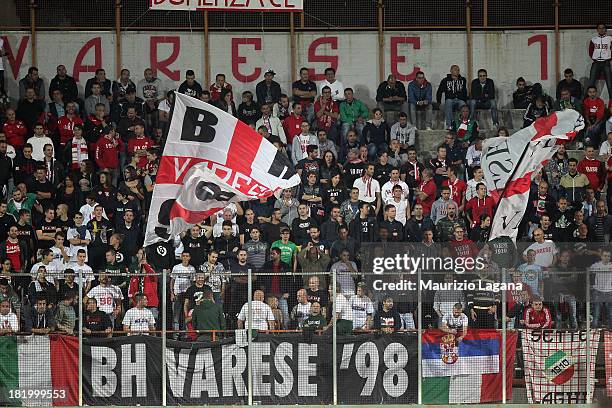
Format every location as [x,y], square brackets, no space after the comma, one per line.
[270,71]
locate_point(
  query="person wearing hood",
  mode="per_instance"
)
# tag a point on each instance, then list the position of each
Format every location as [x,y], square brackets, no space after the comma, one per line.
[483,96]
[376,134]
[207,315]
[454,88]
[420,99]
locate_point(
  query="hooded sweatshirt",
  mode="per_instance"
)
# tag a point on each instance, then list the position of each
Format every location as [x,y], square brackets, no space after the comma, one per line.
[208,316]
[452,88]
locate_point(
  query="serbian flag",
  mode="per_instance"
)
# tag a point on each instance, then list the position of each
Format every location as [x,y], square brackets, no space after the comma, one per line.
[468,371]
[39,370]
[242,164]
[510,164]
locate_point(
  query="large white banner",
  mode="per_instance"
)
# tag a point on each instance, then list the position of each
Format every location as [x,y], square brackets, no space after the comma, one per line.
[227,5]
[244,57]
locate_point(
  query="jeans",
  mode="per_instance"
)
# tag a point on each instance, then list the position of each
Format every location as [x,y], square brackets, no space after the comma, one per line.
[373,150]
[571,303]
[309,114]
[284,308]
[414,108]
[389,107]
[596,70]
[450,106]
[407,321]
[601,299]
[490,104]
[178,312]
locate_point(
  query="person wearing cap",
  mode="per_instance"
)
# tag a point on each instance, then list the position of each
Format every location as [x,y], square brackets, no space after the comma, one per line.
[268,91]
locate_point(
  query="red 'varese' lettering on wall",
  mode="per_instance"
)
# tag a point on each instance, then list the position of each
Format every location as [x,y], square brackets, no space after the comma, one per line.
[237,60]
[15,60]
[331,60]
[543,40]
[397,59]
[96,44]
[163,66]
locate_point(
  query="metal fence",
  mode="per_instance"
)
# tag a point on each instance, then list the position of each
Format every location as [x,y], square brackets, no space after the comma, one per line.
[317,15]
[386,336]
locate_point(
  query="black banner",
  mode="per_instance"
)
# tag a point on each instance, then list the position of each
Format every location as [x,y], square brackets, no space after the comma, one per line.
[287,369]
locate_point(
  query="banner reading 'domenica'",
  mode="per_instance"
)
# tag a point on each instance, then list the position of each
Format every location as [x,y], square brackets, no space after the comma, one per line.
[556,366]
[227,5]
[287,369]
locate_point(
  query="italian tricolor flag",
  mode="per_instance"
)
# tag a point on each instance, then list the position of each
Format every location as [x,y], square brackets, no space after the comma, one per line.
[39,370]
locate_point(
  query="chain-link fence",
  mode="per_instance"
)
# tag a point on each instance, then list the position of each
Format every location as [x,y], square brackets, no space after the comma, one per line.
[317,14]
[392,323]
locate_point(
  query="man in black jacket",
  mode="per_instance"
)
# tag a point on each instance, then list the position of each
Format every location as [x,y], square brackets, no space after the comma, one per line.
[483,96]
[363,228]
[417,224]
[454,88]
[268,91]
[391,96]
[65,84]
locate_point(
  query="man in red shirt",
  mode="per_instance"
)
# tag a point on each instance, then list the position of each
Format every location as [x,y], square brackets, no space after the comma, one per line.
[15,130]
[462,246]
[108,148]
[14,250]
[537,316]
[593,169]
[218,87]
[457,188]
[293,124]
[481,204]
[327,113]
[594,111]
[65,124]
[138,145]
[426,192]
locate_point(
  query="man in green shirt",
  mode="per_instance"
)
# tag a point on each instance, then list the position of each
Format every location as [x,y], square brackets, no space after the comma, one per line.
[353,114]
[207,315]
[65,315]
[288,249]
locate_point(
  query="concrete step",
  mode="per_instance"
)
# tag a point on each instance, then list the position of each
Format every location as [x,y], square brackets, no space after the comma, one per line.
[431,139]
[508,118]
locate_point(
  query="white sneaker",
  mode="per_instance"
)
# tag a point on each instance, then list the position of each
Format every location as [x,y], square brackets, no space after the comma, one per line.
[428,128]
[579,145]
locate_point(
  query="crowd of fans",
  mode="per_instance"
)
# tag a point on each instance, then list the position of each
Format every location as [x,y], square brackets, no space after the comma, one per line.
[77,174]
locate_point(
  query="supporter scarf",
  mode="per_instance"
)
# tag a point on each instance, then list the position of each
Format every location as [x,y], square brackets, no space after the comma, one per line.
[79,152]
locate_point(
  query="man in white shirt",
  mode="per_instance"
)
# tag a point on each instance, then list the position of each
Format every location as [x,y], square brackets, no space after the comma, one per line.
[472,184]
[54,271]
[546,251]
[262,316]
[394,180]
[337,88]
[455,323]
[369,188]
[38,142]
[401,204]
[344,311]
[80,268]
[180,280]
[79,237]
[108,296]
[602,288]
[61,254]
[301,143]
[363,310]
[301,311]
[9,323]
[272,123]
[139,319]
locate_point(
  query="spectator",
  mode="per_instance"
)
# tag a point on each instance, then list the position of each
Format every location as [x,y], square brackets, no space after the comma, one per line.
[336,87]
[181,278]
[532,274]
[445,300]
[268,91]
[594,115]
[96,98]
[363,227]
[301,311]
[426,192]
[139,319]
[65,84]
[600,51]
[535,110]
[15,130]
[445,229]
[261,316]
[403,132]
[343,318]
[362,307]
[7,293]
[454,88]
[109,297]
[387,319]
[346,273]
[327,113]
[602,292]
[455,322]
[38,141]
[207,315]
[217,89]
[353,115]
[271,123]
[440,206]
[376,134]
[100,79]
[420,99]
[39,319]
[479,205]
[249,110]
[312,260]
[573,184]
[34,81]
[304,93]
[95,322]
[572,85]
[537,316]
[483,96]
[315,320]
[546,251]
[391,96]
[122,85]
[593,169]
[464,126]
[9,322]
[29,110]
[65,315]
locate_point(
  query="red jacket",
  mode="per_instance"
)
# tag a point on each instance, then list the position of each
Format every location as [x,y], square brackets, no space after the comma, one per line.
[65,125]
[107,152]
[595,171]
[292,127]
[594,108]
[16,133]
[538,320]
[146,284]
[140,144]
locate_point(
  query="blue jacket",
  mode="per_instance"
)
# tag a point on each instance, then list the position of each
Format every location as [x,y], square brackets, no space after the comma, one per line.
[417,93]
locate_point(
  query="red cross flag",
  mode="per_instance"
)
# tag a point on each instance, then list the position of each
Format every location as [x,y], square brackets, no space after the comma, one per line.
[210,159]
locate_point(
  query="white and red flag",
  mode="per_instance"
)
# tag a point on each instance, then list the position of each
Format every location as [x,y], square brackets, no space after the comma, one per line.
[210,159]
[510,164]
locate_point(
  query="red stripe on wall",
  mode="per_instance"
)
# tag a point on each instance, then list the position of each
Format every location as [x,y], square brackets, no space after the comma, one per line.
[64,368]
